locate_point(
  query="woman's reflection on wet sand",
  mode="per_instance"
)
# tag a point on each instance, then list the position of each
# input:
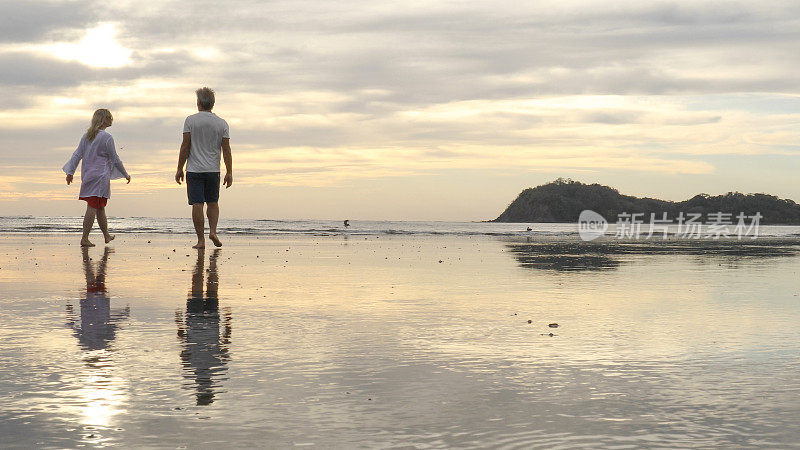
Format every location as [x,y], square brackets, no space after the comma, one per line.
[203,333]
[101,391]
[96,327]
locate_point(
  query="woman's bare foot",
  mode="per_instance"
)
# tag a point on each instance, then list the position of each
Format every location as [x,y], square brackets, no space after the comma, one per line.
[86,243]
[215,240]
[199,245]
[109,238]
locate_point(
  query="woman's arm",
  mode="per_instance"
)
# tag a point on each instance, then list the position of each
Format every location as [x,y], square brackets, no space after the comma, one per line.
[72,165]
[119,169]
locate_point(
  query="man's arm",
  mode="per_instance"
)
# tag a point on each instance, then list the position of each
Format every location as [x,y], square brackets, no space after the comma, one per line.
[183,156]
[226,156]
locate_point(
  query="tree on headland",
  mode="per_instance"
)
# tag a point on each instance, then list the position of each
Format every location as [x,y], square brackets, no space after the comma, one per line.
[563,200]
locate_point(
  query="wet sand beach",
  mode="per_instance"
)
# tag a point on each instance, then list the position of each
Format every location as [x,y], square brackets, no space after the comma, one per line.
[392,341]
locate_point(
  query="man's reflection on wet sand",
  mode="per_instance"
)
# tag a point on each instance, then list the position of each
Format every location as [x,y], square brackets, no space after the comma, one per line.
[203,333]
[97,325]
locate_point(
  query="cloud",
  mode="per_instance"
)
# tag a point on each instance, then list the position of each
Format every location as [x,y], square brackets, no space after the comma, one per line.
[98,48]
[36,20]
[24,69]
[42,74]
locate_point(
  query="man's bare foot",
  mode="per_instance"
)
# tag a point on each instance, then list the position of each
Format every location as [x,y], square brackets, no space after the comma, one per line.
[86,243]
[199,245]
[109,238]
[215,240]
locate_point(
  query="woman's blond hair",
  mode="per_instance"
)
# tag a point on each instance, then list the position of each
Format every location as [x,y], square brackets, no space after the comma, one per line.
[101,118]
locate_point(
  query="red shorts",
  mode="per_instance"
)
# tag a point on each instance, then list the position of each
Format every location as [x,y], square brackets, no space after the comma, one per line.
[95,202]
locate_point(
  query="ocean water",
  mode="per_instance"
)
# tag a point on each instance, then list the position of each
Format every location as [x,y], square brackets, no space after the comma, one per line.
[30,224]
[384,340]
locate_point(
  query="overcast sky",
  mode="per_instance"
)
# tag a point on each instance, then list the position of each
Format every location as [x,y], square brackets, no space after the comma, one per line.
[403,110]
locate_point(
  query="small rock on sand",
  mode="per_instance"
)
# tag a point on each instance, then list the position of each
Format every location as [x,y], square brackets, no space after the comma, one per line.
[553,325]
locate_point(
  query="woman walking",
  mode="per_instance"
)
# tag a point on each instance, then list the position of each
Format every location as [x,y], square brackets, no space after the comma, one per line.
[101,164]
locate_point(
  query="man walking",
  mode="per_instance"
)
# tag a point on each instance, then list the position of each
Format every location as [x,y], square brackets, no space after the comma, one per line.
[204,135]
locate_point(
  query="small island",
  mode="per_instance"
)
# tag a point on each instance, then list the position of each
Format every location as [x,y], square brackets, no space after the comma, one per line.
[562,201]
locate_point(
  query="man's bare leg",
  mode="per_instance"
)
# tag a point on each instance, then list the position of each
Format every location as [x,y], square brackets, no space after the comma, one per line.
[88,222]
[102,221]
[199,225]
[213,218]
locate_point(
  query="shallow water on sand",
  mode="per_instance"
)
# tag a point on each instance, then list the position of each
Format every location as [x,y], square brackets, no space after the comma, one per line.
[397,341]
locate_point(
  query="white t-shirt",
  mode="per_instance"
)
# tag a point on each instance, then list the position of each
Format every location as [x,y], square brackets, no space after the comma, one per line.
[207,132]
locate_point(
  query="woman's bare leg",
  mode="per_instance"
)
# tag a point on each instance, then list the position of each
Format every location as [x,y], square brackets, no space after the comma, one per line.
[102,221]
[88,222]
[100,277]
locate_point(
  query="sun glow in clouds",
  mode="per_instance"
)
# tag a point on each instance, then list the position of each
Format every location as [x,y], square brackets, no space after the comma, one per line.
[98,48]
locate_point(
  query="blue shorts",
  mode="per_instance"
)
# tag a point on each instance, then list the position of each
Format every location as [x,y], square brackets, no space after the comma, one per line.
[202,187]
